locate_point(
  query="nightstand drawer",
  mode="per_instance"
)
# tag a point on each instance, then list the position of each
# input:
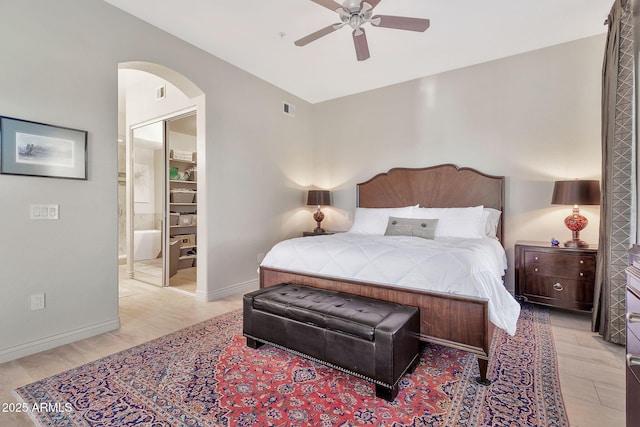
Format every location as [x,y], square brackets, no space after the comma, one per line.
[633,349]
[559,292]
[568,266]
[633,311]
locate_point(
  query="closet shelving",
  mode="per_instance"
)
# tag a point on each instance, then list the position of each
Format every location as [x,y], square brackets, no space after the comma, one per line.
[186,212]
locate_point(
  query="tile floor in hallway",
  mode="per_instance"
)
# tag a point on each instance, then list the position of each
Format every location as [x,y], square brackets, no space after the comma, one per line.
[591,370]
[150,271]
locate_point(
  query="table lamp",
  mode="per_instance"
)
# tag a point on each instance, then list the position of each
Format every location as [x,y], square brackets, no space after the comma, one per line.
[317,198]
[576,192]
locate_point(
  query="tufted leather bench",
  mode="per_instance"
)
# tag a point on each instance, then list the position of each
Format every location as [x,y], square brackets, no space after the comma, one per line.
[372,339]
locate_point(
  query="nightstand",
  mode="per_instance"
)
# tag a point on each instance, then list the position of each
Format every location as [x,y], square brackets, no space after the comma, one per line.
[633,336]
[554,275]
[323,233]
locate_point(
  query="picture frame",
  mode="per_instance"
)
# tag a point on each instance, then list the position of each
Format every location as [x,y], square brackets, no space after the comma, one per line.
[38,149]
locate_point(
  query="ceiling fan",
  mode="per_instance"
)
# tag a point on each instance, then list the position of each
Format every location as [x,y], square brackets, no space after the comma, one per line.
[355,13]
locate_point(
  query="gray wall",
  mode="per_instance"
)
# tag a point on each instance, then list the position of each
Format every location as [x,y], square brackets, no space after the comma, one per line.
[60,66]
[533,118]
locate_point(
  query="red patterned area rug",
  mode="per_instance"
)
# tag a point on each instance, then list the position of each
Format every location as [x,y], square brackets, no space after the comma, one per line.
[204,375]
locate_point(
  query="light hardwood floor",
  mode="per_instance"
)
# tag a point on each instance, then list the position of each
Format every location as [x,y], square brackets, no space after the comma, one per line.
[591,371]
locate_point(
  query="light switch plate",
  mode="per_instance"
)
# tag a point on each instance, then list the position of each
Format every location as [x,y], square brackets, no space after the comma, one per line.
[44,211]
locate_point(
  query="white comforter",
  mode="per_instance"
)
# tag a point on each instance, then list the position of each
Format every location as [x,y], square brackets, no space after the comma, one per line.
[472,267]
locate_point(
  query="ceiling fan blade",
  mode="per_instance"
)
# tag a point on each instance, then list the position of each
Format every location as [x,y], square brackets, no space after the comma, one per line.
[373,3]
[329,4]
[360,42]
[400,22]
[315,36]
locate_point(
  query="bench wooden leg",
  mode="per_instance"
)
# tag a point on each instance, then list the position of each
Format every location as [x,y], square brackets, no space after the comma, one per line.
[388,394]
[253,343]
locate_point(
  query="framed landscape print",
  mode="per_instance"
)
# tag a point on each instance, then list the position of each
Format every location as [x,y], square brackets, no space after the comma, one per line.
[38,149]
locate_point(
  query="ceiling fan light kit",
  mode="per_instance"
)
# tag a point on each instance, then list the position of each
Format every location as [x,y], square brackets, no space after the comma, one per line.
[356,13]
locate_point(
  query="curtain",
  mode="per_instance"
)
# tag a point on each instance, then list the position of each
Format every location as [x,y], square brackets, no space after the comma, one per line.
[617,211]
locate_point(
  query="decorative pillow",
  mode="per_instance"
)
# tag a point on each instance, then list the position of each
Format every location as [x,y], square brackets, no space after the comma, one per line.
[490,220]
[425,228]
[455,222]
[374,220]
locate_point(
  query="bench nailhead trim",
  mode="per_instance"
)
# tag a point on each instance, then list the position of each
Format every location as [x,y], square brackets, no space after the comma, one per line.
[340,368]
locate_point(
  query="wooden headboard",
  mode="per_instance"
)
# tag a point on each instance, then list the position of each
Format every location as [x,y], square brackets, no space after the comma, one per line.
[442,186]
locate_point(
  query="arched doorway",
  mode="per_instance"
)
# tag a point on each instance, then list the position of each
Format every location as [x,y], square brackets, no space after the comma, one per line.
[154,97]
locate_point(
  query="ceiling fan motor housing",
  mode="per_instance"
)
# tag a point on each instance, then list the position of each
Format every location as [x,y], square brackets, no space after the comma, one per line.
[355,16]
[352,6]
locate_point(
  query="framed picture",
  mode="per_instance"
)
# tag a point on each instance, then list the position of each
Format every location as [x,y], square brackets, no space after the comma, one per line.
[37,149]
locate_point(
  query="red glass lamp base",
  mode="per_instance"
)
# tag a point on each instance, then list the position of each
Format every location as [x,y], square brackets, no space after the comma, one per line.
[318,217]
[576,223]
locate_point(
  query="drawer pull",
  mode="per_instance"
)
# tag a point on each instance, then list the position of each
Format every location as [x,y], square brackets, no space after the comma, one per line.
[581,274]
[581,261]
[633,360]
[558,286]
[536,258]
[535,269]
[633,317]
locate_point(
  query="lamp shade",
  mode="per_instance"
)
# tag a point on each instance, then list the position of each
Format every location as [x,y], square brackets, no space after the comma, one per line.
[319,197]
[576,192]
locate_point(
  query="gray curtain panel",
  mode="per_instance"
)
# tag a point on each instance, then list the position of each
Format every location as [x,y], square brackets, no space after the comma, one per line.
[617,217]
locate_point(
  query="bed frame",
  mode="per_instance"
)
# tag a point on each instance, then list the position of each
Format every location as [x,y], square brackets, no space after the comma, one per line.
[454,321]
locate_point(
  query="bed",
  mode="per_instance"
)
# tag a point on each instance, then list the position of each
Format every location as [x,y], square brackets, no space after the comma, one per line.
[453,320]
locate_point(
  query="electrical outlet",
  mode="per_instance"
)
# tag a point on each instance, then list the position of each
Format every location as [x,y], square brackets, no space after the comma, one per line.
[37,302]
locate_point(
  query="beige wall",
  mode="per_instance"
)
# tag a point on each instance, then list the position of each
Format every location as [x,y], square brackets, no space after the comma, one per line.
[61,67]
[533,118]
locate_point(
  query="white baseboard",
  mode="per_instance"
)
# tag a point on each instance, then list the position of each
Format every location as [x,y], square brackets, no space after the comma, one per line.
[217,294]
[36,346]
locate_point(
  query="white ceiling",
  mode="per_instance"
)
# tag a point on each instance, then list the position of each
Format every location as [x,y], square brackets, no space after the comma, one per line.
[258,36]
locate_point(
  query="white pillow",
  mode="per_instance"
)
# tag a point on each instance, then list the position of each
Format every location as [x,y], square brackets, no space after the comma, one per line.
[490,219]
[455,222]
[374,221]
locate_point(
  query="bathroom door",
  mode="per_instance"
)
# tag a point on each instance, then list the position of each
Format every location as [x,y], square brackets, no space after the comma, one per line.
[147,183]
